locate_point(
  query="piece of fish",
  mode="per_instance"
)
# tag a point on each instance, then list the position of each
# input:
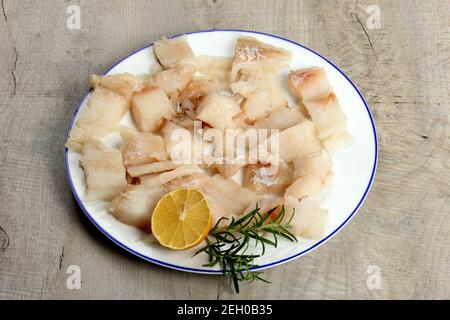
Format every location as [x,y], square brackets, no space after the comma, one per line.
[175,79]
[218,111]
[150,168]
[227,154]
[327,115]
[267,179]
[312,88]
[313,173]
[104,171]
[309,83]
[262,92]
[228,145]
[135,204]
[103,112]
[166,177]
[126,133]
[179,143]
[181,171]
[150,179]
[227,170]
[124,84]
[280,119]
[309,220]
[255,75]
[337,141]
[197,89]
[170,52]
[226,197]
[249,49]
[298,140]
[195,180]
[149,107]
[319,163]
[258,104]
[217,69]
[305,186]
[142,149]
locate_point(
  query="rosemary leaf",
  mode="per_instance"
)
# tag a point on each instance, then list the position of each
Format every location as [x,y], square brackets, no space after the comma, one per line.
[227,243]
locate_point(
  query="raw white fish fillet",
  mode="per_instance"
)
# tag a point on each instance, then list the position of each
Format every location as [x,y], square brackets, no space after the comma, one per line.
[312,88]
[134,205]
[170,52]
[126,133]
[312,174]
[104,171]
[255,75]
[195,180]
[185,108]
[309,83]
[249,49]
[149,107]
[198,88]
[318,163]
[217,69]
[298,140]
[104,110]
[225,197]
[327,115]
[228,170]
[181,171]
[178,142]
[337,141]
[175,79]
[142,149]
[150,168]
[309,220]
[267,179]
[153,71]
[227,156]
[228,146]
[169,176]
[258,104]
[150,179]
[218,111]
[305,186]
[280,119]
[262,92]
[239,121]
[185,121]
[124,84]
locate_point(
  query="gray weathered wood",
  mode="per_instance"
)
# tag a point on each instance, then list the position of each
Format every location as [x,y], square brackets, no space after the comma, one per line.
[402,69]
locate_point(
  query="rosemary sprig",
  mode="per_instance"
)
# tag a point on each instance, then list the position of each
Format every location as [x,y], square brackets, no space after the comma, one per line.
[227,245]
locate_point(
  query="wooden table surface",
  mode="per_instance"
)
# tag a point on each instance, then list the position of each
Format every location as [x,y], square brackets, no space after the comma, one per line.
[402,232]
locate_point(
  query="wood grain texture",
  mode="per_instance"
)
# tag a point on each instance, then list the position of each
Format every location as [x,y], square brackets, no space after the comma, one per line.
[402,69]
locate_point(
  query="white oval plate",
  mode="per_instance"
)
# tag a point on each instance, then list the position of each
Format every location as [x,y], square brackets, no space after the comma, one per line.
[354,166]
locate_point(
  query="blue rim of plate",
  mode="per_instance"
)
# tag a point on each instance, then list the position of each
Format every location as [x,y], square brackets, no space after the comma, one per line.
[206,271]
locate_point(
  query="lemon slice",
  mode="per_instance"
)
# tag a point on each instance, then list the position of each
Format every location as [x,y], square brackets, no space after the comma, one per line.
[181,219]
